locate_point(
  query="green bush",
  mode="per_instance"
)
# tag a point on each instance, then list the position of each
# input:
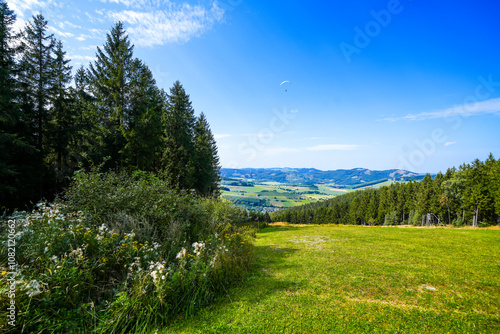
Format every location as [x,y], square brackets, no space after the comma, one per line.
[122,254]
[459,222]
[391,218]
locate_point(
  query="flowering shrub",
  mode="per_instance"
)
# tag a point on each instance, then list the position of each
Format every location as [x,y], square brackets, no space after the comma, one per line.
[79,274]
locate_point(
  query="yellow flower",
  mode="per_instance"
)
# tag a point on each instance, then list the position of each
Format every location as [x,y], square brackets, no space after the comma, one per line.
[86,234]
[114,235]
[4,272]
[104,259]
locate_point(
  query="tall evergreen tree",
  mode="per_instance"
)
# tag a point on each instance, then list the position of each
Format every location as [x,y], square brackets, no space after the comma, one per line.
[9,113]
[63,123]
[86,136]
[207,168]
[144,137]
[15,170]
[423,196]
[36,84]
[37,64]
[111,79]
[179,157]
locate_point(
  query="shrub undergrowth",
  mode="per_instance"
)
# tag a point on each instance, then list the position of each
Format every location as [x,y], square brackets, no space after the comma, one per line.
[121,253]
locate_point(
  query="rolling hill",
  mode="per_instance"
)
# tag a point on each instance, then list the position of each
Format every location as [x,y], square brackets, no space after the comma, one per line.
[339,177]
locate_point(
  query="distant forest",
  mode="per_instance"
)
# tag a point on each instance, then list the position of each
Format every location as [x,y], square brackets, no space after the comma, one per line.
[467,196]
[109,116]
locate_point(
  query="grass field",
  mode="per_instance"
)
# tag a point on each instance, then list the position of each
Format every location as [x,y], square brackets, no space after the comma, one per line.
[275,195]
[347,279]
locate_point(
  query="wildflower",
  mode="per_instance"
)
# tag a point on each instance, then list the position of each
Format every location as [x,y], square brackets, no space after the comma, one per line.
[181,254]
[198,247]
[4,272]
[77,253]
[33,288]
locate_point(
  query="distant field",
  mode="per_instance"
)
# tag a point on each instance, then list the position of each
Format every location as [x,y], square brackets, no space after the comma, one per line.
[274,195]
[349,279]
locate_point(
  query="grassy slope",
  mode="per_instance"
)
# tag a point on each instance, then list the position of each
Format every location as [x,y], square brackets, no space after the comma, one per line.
[356,280]
[283,198]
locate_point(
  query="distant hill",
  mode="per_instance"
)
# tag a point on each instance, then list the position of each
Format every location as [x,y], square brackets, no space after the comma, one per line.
[339,177]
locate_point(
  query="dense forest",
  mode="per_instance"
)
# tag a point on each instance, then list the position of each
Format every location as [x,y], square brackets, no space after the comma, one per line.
[467,196]
[109,116]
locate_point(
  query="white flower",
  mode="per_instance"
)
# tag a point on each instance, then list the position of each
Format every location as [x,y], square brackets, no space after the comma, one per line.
[198,247]
[181,254]
[77,253]
[33,288]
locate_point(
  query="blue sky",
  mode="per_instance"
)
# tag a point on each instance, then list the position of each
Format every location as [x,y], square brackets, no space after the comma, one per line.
[375,84]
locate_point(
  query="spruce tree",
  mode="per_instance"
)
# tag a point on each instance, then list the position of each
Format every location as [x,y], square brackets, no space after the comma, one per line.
[63,123]
[86,129]
[36,83]
[423,196]
[207,168]
[37,78]
[144,138]
[110,77]
[15,169]
[179,157]
[9,113]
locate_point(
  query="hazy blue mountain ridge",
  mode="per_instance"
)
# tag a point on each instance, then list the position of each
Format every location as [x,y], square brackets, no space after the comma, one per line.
[346,177]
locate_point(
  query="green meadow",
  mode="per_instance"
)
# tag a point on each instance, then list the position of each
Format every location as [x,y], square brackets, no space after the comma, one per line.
[352,279]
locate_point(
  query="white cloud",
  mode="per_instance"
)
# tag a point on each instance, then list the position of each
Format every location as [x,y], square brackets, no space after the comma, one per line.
[491,106]
[177,24]
[22,6]
[61,33]
[449,143]
[221,136]
[65,24]
[80,57]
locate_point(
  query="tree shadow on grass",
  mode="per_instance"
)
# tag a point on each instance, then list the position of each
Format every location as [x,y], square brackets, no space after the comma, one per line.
[263,283]
[273,229]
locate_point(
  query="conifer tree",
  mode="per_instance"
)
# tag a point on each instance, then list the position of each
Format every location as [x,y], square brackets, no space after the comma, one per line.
[144,138]
[63,122]
[207,168]
[85,116]
[36,83]
[37,78]
[179,157]
[423,196]
[110,77]
[14,168]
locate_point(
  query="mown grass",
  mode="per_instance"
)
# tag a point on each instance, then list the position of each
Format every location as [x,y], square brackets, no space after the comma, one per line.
[347,279]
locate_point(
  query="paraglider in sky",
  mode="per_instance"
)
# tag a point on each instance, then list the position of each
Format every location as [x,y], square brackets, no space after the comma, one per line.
[284,82]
